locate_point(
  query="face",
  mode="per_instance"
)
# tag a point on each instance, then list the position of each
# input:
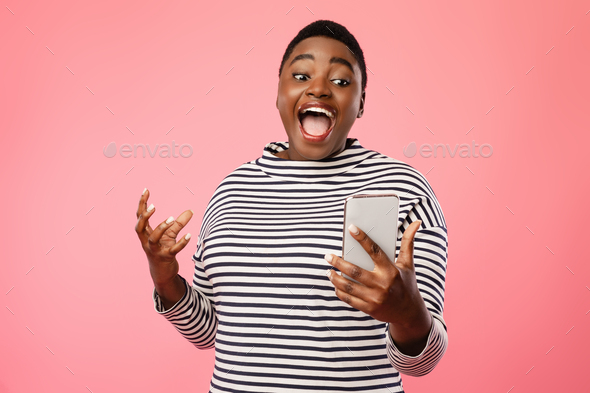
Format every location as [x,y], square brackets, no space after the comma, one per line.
[319,92]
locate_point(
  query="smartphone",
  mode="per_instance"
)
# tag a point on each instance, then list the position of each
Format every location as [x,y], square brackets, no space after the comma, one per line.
[377,216]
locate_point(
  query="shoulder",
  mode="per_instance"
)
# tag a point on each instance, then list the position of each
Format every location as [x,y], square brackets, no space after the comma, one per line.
[245,176]
[417,198]
[401,173]
[246,173]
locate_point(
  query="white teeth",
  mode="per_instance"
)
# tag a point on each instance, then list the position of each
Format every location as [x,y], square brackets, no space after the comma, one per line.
[320,110]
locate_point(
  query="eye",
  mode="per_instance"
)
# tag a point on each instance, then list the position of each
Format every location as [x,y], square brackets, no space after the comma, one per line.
[296,76]
[342,82]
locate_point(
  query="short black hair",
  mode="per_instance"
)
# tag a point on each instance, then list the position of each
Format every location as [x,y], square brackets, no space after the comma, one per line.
[333,30]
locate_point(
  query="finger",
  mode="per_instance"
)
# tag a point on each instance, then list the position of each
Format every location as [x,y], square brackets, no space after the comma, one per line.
[179,223]
[353,301]
[142,202]
[156,235]
[348,286]
[363,276]
[142,227]
[175,249]
[406,250]
[377,254]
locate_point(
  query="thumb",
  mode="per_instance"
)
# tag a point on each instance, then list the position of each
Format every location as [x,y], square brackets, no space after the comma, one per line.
[406,250]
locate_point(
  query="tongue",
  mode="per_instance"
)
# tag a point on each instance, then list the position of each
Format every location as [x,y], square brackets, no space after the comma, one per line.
[315,125]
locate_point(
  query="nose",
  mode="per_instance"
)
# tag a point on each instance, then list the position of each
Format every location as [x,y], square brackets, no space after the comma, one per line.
[319,87]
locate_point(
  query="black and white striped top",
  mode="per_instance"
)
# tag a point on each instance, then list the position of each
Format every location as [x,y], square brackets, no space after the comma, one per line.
[260,295]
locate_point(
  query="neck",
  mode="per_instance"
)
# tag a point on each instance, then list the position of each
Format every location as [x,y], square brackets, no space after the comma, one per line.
[285,153]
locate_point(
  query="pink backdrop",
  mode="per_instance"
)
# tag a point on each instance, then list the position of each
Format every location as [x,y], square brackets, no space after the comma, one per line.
[77,76]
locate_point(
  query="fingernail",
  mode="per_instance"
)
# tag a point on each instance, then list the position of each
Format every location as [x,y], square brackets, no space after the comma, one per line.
[192,211]
[188,236]
[144,190]
[352,228]
[328,257]
[150,207]
[329,272]
[169,220]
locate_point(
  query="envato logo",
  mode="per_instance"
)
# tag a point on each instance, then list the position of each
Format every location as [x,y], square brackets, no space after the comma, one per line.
[164,150]
[465,150]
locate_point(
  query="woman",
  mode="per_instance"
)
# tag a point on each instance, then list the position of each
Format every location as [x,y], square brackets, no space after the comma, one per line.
[273,229]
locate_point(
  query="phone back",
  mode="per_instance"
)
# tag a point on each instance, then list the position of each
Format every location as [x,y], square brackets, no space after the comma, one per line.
[377,216]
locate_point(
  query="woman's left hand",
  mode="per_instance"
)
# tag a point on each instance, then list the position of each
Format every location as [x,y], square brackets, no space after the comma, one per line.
[389,293]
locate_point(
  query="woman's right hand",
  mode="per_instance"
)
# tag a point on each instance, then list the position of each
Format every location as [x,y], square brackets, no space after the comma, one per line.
[160,244]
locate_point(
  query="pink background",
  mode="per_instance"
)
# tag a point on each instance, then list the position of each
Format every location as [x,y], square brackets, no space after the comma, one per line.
[83,320]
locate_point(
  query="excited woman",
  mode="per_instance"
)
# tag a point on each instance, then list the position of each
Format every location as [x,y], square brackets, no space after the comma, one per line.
[268,291]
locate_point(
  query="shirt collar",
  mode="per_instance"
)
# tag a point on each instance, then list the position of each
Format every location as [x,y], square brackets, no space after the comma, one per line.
[312,170]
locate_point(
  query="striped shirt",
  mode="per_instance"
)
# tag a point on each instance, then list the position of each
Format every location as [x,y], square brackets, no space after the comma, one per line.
[260,295]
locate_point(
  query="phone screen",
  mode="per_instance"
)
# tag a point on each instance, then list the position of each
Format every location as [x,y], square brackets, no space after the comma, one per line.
[377,216]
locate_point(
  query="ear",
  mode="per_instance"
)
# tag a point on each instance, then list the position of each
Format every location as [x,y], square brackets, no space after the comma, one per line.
[362,105]
[278,89]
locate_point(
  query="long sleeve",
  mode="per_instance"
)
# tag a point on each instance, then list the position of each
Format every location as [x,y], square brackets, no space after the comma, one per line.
[423,363]
[260,271]
[194,314]
[430,261]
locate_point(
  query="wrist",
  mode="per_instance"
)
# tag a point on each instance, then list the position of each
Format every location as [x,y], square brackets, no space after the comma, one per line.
[408,344]
[417,319]
[411,335]
[171,292]
[164,282]
[164,286]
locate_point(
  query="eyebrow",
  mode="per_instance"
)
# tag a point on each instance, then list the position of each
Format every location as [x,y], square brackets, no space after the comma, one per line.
[333,60]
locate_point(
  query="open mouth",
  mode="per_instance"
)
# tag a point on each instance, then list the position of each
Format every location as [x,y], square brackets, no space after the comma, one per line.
[316,120]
